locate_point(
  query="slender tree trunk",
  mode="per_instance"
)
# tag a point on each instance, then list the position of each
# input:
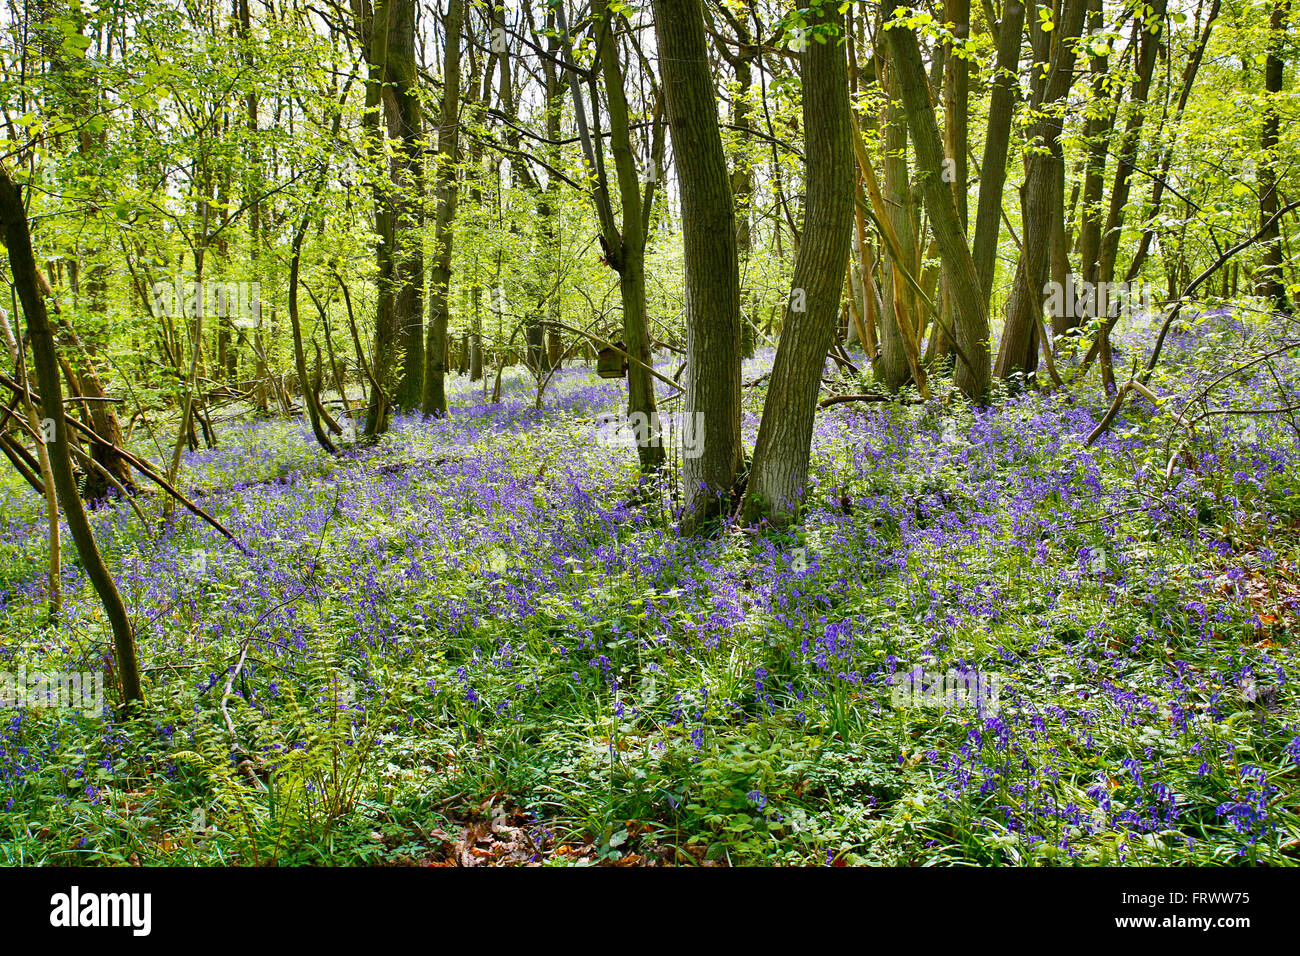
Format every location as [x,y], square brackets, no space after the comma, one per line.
[1040,203]
[104,421]
[629,257]
[252,189]
[713,340]
[900,312]
[997,143]
[310,389]
[1097,135]
[1268,278]
[435,395]
[956,134]
[188,394]
[778,480]
[22,266]
[371,22]
[1148,44]
[742,173]
[971,327]
[405,125]
[1190,70]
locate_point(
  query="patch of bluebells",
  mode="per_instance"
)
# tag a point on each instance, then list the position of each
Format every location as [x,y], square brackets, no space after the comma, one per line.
[506,535]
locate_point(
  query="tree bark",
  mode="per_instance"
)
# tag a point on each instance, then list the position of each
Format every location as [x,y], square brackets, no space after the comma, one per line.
[373,35]
[956,134]
[405,125]
[629,242]
[22,266]
[310,388]
[900,315]
[778,480]
[712,281]
[1040,202]
[1148,42]
[997,142]
[1268,278]
[435,358]
[1097,136]
[971,326]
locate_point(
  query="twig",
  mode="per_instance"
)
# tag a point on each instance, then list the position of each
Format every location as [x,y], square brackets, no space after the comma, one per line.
[1195,284]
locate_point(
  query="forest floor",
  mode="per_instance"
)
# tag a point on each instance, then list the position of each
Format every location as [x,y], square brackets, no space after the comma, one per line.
[470,644]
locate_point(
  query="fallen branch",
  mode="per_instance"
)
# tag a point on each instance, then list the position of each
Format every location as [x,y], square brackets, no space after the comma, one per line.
[868,397]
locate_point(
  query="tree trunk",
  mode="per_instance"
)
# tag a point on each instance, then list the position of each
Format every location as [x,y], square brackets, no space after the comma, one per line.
[712,281]
[956,134]
[22,266]
[971,327]
[778,479]
[105,423]
[625,243]
[310,389]
[435,353]
[1268,279]
[1040,203]
[1148,45]
[899,313]
[1097,136]
[997,143]
[405,124]
[374,45]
